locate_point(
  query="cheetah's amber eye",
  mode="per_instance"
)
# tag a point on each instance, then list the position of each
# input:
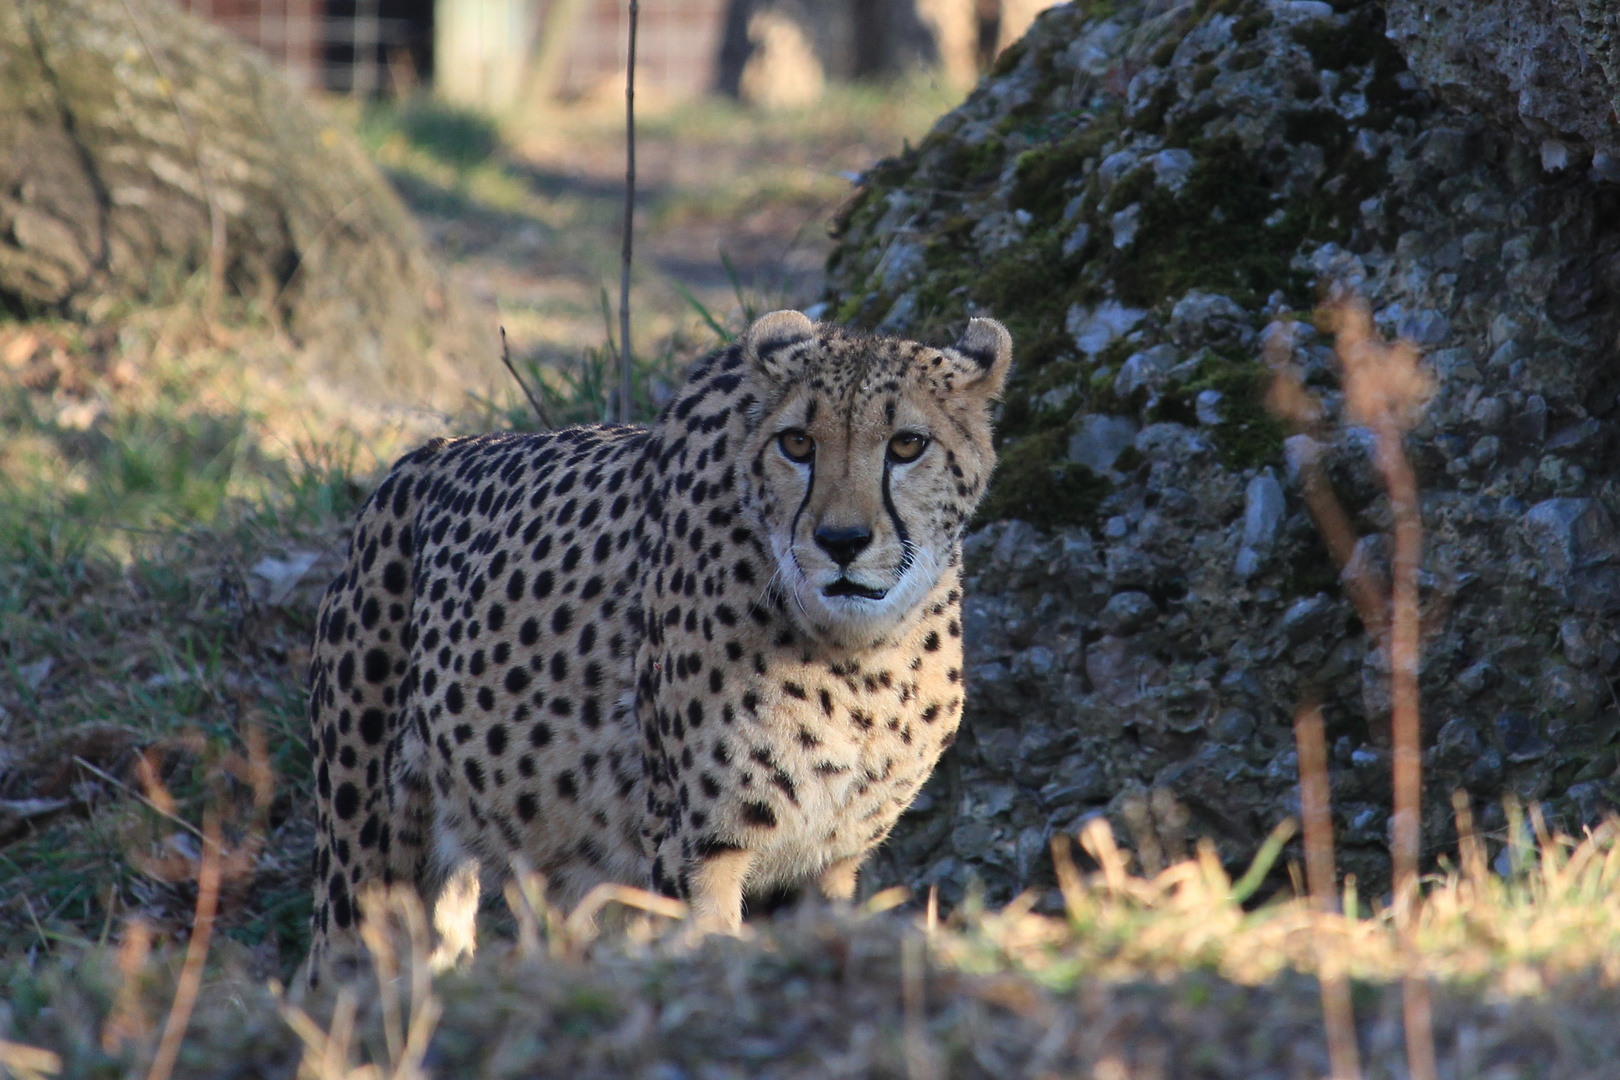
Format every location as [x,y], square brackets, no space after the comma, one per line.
[907,446]
[797,445]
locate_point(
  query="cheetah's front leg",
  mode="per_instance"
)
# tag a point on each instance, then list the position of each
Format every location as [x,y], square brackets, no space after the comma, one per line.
[455,916]
[838,880]
[715,888]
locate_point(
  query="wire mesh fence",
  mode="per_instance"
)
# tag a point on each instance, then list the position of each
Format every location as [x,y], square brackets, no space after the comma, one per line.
[361,47]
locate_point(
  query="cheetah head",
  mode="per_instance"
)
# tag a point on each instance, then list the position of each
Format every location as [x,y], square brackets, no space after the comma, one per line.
[867,458]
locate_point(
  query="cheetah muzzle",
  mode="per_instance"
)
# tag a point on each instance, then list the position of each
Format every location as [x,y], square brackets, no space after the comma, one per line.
[714,655]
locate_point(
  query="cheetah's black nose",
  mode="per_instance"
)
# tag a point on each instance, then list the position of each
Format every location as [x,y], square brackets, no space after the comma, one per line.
[843,545]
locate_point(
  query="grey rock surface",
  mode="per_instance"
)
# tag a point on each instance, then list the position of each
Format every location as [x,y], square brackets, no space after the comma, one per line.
[1151,619]
[1548,67]
[1100,440]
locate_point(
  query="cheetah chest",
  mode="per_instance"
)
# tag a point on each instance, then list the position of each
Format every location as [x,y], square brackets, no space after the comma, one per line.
[820,755]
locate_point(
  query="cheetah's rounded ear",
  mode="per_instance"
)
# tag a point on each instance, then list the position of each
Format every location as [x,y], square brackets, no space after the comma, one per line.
[984,355]
[767,342]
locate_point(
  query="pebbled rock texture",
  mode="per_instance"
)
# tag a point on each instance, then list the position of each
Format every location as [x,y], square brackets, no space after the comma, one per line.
[1548,67]
[1143,192]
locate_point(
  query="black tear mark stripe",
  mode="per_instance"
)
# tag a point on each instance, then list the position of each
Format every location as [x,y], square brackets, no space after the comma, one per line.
[908,550]
[810,485]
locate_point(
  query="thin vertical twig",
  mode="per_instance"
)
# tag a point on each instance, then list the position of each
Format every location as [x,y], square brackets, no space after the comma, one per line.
[1406,838]
[1289,400]
[629,216]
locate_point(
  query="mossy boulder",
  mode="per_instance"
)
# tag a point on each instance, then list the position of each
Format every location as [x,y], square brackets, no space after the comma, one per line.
[1144,192]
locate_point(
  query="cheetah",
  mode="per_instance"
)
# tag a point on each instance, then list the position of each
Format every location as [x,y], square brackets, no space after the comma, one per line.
[715,655]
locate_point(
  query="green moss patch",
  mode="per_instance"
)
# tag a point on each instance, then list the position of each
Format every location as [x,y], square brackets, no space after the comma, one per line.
[1213,235]
[1033,482]
[1248,435]
[1043,171]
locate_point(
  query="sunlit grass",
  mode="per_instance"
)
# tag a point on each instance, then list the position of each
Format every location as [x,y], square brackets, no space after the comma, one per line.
[1555,916]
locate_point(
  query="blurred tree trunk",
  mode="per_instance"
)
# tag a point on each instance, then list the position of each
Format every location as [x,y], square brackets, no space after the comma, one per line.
[855,39]
[121,121]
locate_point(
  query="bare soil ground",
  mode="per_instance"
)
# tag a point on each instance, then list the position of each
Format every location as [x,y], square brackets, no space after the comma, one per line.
[732,207]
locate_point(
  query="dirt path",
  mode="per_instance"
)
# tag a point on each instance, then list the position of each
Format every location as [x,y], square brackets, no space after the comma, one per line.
[533,233]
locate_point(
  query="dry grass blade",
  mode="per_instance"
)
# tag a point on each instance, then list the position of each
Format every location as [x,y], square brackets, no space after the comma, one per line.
[156,797]
[886,900]
[1070,884]
[540,413]
[27,1062]
[528,940]
[580,927]
[921,1061]
[1097,837]
[374,933]
[327,1052]
[1469,848]
[39,930]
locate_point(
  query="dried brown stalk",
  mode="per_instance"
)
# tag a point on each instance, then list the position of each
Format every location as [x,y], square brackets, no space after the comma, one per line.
[1338,1017]
[128,1020]
[581,925]
[28,1062]
[326,1052]
[1070,883]
[191,971]
[1289,400]
[1385,390]
[1469,849]
[1313,805]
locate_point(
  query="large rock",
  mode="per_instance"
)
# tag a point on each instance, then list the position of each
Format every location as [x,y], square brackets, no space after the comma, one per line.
[1548,67]
[113,133]
[1144,195]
